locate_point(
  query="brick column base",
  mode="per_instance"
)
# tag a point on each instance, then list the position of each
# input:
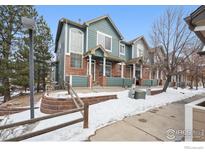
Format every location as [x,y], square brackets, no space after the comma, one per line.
[90,81]
[104,81]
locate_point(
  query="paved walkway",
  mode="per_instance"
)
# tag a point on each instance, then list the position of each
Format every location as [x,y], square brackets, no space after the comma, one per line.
[152,125]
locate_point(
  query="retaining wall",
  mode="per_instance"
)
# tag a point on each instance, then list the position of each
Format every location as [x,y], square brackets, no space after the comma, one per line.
[54,105]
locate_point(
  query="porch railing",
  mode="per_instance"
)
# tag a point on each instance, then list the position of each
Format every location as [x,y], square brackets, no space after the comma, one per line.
[118,81]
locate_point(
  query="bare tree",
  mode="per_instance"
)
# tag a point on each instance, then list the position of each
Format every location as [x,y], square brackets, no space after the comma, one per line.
[195,65]
[171,32]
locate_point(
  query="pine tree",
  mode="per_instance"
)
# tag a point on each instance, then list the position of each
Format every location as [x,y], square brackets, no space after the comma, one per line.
[43,45]
[21,68]
[10,29]
[14,49]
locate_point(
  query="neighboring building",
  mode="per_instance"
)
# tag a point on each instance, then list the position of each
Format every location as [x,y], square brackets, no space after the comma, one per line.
[196,22]
[94,53]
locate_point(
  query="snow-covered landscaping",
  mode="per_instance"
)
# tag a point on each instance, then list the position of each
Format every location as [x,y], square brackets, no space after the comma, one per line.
[103,113]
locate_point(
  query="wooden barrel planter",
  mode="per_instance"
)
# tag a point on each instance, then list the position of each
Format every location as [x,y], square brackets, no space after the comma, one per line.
[51,105]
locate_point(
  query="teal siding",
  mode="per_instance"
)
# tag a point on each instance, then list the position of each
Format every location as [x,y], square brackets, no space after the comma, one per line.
[147,83]
[154,82]
[150,82]
[60,57]
[99,53]
[117,81]
[128,52]
[103,26]
[114,81]
[79,81]
[127,82]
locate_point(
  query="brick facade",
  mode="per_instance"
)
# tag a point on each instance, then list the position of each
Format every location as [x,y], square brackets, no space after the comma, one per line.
[99,79]
[75,71]
[116,70]
[145,73]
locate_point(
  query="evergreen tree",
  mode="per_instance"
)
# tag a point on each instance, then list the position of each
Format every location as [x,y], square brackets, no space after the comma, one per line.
[43,45]
[21,68]
[10,29]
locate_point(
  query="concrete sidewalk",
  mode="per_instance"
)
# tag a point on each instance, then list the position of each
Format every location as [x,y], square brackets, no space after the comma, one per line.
[154,125]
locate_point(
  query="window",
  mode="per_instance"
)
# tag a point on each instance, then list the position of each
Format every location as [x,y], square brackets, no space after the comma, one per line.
[108,68]
[140,53]
[104,40]
[76,60]
[122,49]
[135,51]
[76,40]
[128,71]
[108,71]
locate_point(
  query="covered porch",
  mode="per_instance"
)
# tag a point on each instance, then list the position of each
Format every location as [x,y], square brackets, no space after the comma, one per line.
[145,74]
[104,69]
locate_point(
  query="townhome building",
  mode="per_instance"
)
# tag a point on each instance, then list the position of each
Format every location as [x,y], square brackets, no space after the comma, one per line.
[95,53]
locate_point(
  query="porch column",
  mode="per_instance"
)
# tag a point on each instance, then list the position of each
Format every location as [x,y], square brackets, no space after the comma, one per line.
[141,71]
[134,77]
[90,62]
[161,76]
[157,73]
[122,70]
[150,74]
[134,71]
[104,66]
[89,71]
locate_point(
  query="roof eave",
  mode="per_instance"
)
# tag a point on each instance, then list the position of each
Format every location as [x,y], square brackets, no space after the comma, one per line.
[59,29]
[87,23]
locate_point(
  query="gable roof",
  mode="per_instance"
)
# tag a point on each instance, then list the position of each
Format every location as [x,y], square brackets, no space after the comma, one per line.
[82,26]
[137,39]
[60,26]
[87,23]
[156,51]
[105,53]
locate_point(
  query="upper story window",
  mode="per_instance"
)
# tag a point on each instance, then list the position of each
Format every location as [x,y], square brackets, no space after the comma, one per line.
[76,40]
[140,53]
[122,49]
[104,40]
[137,52]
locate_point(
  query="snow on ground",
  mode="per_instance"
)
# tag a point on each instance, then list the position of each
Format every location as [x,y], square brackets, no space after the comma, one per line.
[64,94]
[103,114]
[16,93]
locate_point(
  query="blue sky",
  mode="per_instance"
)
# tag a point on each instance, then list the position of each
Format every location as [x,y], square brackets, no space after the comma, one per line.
[132,21]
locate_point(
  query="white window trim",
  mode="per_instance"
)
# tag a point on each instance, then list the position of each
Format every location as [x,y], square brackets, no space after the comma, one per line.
[70,41]
[81,61]
[124,49]
[98,32]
